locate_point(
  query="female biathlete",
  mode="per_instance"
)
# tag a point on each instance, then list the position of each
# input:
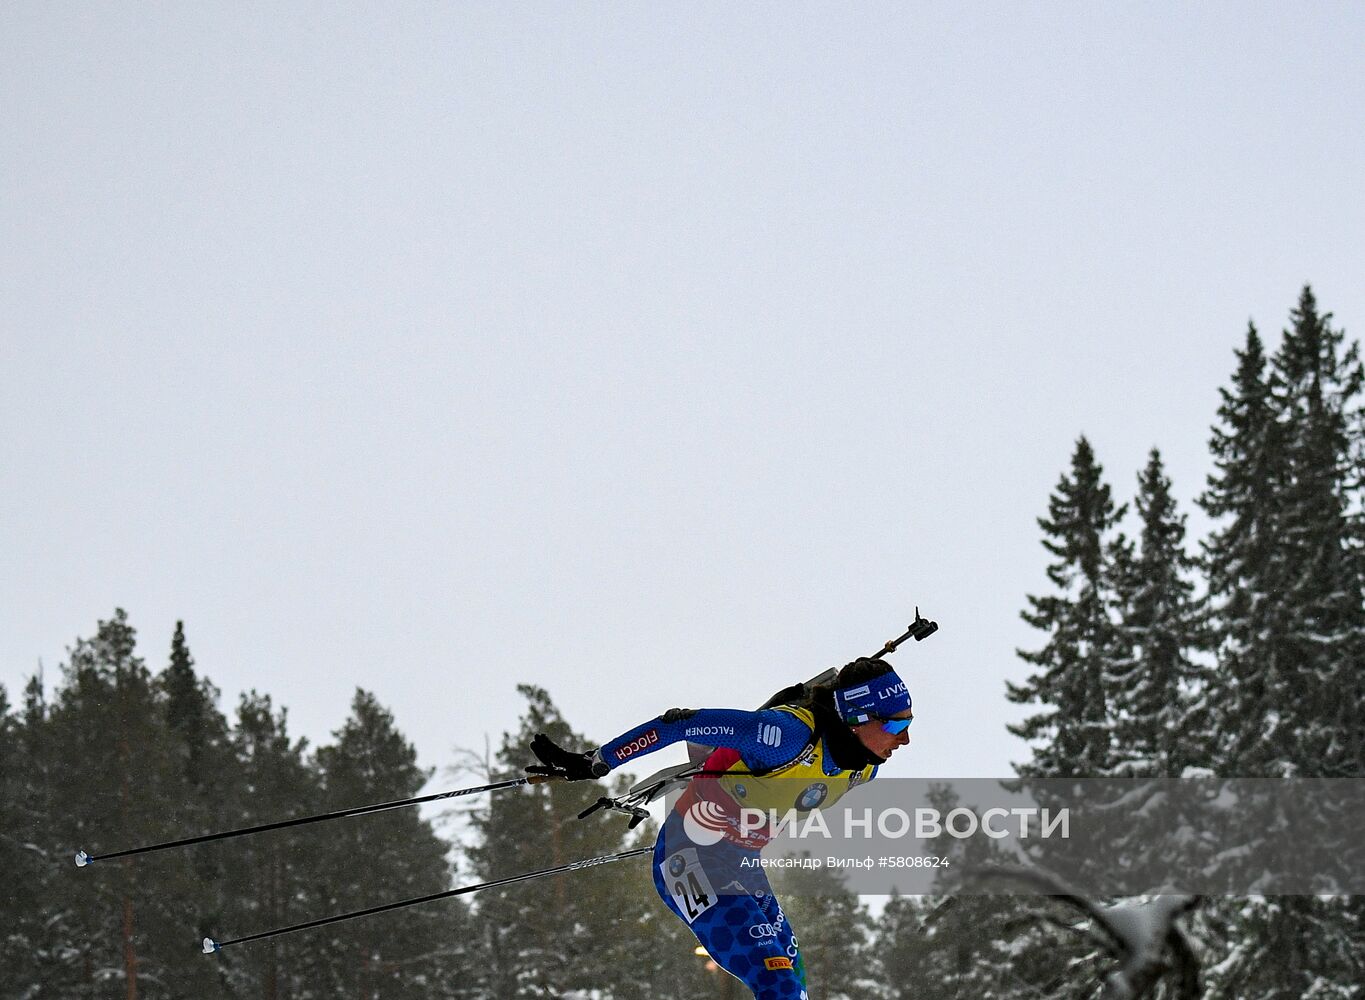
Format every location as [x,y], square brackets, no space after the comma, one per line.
[799,756]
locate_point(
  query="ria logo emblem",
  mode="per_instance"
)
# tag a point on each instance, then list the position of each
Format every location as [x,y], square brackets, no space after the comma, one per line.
[704,823]
[769,735]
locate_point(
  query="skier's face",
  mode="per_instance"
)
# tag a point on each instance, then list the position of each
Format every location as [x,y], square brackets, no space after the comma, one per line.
[874,736]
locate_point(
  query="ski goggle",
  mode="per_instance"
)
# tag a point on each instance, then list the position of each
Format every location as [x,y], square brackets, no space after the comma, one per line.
[896,726]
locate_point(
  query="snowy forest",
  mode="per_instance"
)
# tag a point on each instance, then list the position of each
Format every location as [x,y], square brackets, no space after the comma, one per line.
[1157,655]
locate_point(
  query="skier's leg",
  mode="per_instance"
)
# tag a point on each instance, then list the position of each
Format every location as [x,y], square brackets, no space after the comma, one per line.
[786,939]
[741,926]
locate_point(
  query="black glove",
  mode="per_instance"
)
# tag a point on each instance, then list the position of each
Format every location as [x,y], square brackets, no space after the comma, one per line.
[556,762]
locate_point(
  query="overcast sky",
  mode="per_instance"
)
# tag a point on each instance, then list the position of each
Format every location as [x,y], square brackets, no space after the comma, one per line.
[654,354]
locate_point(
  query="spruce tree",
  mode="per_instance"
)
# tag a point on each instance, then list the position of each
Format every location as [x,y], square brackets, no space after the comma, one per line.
[901,955]
[1284,564]
[385,857]
[278,878]
[196,799]
[122,759]
[832,927]
[21,906]
[191,707]
[982,946]
[42,906]
[1071,736]
[1285,575]
[577,932]
[1244,570]
[1156,684]
[1115,670]
[110,751]
[1316,385]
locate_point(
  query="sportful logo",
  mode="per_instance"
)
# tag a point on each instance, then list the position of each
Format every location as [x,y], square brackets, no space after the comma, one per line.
[769,735]
[642,742]
[710,731]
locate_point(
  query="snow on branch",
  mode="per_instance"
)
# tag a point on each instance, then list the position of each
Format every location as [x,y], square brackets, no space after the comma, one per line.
[1142,936]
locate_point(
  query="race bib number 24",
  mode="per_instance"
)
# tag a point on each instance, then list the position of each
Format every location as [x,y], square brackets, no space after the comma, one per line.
[687,883]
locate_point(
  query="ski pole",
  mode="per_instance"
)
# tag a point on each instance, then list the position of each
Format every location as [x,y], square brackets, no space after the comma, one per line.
[83,859]
[210,945]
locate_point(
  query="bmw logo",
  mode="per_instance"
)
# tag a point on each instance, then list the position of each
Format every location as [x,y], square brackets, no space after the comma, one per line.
[741,791]
[676,864]
[812,796]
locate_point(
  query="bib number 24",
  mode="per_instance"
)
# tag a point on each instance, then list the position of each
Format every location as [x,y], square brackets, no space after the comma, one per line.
[687,883]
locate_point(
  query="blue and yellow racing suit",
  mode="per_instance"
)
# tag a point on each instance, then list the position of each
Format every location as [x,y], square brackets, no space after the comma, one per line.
[706,866]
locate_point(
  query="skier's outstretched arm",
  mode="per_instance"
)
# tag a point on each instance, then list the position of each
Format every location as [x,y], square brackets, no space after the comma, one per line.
[764,739]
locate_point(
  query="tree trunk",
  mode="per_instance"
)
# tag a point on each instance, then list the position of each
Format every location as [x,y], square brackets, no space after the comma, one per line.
[556,850]
[272,971]
[125,753]
[129,952]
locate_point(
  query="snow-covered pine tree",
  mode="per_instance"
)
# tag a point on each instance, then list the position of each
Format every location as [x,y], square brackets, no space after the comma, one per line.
[109,749]
[274,879]
[901,958]
[20,923]
[1316,386]
[1156,684]
[1071,736]
[1244,569]
[105,768]
[1284,564]
[383,857]
[959,943]
[37,902]
[191,883]
[833,928]
[192,715]
[599,932]
[1284,568]
[1100,668]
